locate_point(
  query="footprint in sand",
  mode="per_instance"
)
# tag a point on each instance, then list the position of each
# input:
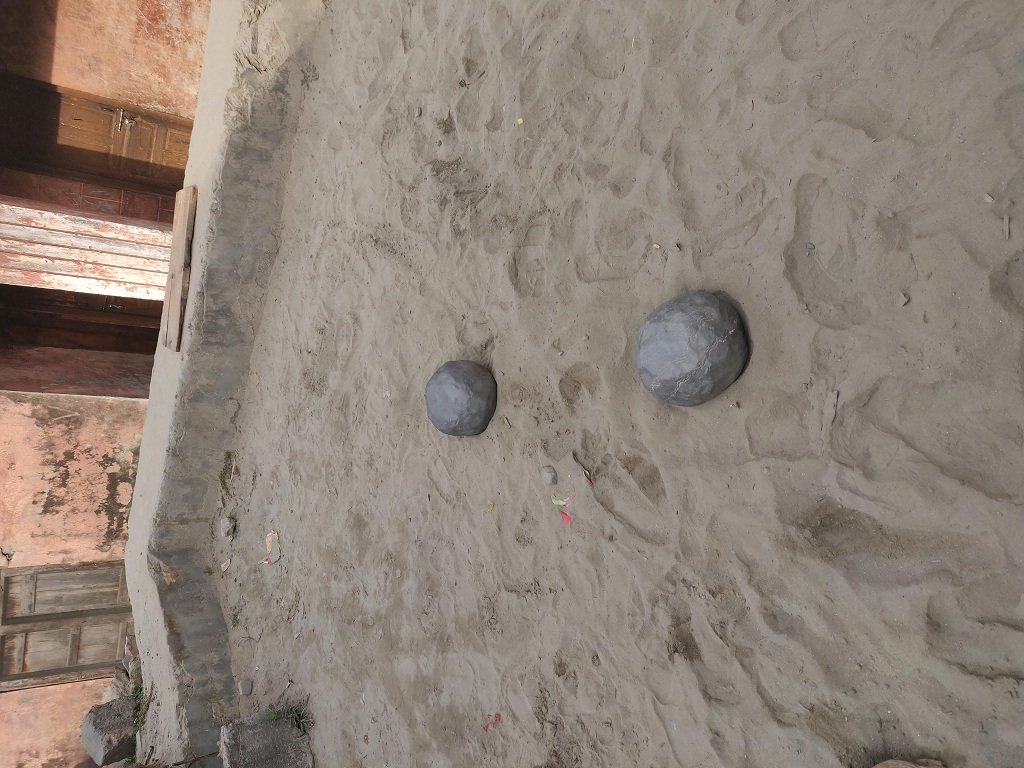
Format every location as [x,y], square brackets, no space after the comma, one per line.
[985,649]
[899,424]
[867,550]
[527,269]
[620,247]
[628,487]
[815,30]
[779,428]
[1010,117]
[601,45]
[821,258]
[579,379]
[1007,284]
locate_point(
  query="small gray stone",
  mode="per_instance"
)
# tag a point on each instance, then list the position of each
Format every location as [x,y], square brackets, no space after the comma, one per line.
[690,349]
[227,527]
[549,475]
[461,397]
[108,732]
[245,686]
[263,742]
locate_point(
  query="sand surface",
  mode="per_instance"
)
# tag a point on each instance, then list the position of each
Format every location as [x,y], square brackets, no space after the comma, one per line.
[822,567]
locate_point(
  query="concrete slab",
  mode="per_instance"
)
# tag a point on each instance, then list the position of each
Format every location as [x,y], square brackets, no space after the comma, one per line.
[261,741]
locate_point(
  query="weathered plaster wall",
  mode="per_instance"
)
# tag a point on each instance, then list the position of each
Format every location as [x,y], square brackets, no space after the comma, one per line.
[67,465]
[39,730]
[143,52]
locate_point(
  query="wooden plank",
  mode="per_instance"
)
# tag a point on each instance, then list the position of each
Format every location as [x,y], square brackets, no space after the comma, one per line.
[122,637]
[54,677]
[179,270]
[82,284]
[54,568]
[55,218]
[99,643]
[44,246]
[33,588]
[19,654]
[74,645]
[30,263]
[17,595]
[55,317]
[54,238]
[46,649]
[75,591]
[87,258]
[65,620]
[122,589]
[40,593]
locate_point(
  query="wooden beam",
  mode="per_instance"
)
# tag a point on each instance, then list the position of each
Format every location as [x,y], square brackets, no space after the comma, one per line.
[71,267]
[54,218]
[122,636]
[114,256]
[74,643]
[88,242]
[33,585]
[19,654]
[80,284]
[122,589]
[89,565]
[64,620]
[46,246]
[179,271]
[53,677]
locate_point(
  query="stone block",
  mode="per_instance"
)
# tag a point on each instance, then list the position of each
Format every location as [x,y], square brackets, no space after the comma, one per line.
[108,732]
[262,742]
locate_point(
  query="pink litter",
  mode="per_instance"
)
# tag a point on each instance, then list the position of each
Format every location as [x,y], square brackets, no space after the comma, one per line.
[563,505]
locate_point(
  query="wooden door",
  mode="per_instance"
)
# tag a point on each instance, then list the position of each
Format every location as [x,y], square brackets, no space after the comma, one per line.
[148,148]
[47,128]
[62,623]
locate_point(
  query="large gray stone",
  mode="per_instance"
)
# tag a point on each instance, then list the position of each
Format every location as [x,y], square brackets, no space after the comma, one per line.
[461,398]
[108,732]
[690,349]
[263,742]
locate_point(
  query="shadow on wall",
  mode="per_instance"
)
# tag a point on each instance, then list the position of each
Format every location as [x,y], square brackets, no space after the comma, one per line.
[28,33]
[147,53]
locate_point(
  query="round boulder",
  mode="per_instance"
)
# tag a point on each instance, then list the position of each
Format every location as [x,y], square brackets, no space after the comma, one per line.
[690,349]
[461,398]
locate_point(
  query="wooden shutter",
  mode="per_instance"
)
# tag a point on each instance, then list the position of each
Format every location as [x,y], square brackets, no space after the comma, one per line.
[62,623]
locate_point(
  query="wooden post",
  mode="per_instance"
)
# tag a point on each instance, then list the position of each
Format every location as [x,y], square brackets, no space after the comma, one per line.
[180,269]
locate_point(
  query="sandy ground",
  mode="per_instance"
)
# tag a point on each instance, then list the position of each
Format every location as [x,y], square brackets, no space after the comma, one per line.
[822,567]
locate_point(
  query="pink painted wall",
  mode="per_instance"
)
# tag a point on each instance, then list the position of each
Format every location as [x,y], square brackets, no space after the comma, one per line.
[67,470]
[144,52]
[53,711]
